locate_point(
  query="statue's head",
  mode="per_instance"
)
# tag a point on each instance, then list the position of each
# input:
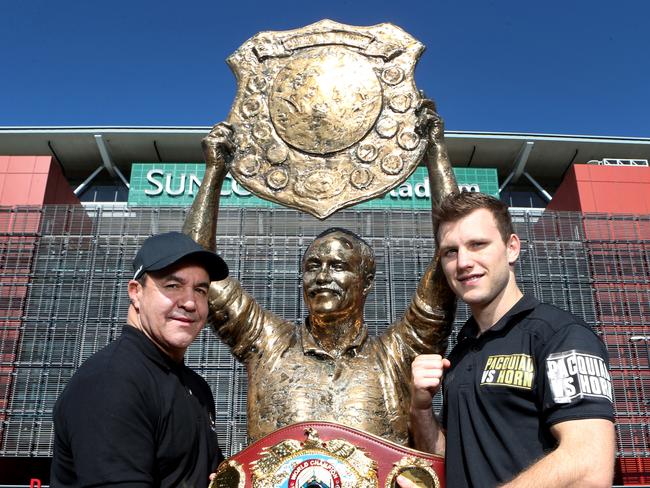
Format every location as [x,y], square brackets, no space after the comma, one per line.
[338,270]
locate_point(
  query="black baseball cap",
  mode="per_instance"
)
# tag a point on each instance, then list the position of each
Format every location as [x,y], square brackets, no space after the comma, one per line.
[162,250]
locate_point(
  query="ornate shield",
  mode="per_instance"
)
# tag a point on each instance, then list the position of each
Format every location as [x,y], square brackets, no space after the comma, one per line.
[324,116]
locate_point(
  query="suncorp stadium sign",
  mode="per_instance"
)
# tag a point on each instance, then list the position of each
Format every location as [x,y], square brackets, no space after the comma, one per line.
[176,184]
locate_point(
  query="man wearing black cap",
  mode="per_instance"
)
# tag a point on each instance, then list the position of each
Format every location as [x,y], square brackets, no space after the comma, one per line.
[134,414]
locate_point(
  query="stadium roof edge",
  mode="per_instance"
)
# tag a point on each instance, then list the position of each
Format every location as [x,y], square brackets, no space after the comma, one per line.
[77,149]
[204,129]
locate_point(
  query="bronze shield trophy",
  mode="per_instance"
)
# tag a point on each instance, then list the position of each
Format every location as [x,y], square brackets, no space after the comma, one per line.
[324,116]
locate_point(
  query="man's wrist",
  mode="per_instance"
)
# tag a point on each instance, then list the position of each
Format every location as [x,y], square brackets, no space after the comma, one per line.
[421,412]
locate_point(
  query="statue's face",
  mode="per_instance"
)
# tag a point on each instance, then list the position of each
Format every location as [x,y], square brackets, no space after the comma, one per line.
[333,280]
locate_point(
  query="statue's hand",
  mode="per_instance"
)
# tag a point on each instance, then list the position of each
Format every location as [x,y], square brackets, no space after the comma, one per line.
[218,146]
[429,124]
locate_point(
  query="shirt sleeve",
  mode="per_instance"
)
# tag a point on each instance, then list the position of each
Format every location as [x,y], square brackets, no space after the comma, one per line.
[427,322]
[110,433]
[425,327]
[573,379]
[241,322]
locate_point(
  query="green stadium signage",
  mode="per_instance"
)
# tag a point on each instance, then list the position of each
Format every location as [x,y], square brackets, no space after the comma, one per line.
[176,184]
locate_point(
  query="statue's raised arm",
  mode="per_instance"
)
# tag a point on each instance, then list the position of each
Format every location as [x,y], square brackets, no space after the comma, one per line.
[235,315]
[433,292]
[201,221]
[428,320]
[441,175]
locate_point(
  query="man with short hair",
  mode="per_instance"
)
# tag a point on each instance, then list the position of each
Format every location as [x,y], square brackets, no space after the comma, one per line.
[527,393]
[133,414]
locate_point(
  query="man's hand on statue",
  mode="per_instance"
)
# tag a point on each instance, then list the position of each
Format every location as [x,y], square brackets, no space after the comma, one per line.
[218,145]
[426,376]
[429,124]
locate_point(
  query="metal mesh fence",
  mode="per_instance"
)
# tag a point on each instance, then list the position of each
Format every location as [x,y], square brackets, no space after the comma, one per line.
[63,296]
[619,258]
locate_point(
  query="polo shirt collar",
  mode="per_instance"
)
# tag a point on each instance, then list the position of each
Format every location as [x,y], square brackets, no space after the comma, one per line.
[310,344]
[524,304]
[149,349]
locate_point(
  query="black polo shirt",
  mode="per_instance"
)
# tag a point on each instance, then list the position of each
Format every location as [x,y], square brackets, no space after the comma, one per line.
[133,417]
[535,367]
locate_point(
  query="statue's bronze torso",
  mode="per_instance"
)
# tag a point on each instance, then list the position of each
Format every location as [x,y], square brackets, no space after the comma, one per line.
[292,379]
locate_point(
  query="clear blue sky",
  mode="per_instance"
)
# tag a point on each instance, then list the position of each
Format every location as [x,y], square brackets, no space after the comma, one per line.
[567,67]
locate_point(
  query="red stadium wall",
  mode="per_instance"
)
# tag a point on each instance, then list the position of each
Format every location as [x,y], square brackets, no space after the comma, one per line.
[620,266]
[604,189]
[33,180]
[25,181]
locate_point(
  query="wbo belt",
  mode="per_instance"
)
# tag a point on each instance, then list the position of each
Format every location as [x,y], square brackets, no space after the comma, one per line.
[327,455]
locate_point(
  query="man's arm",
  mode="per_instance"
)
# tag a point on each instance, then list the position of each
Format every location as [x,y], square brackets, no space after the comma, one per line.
[426,432]
[584,457]
[434,303]
[426,376]
[582,427]
[201,221]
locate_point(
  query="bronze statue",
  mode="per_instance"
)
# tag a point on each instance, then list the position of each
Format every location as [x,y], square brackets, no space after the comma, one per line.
[326,368]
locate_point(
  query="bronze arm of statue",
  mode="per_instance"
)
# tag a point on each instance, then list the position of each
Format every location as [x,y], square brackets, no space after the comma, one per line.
[201,221]
[433,292]
[441,174]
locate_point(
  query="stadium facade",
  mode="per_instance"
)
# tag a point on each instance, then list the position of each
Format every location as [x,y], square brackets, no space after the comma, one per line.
[75,204]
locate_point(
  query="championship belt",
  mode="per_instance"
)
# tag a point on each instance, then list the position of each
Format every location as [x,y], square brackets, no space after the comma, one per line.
[327,455]
[325,116]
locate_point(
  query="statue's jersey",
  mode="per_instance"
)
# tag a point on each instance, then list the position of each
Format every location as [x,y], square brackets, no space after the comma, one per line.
[292,379]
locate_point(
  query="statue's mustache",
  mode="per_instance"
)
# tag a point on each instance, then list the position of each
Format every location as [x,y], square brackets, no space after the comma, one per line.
[334,288]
